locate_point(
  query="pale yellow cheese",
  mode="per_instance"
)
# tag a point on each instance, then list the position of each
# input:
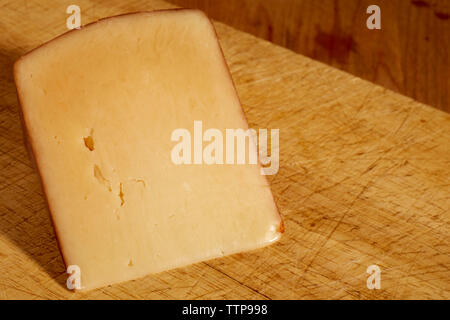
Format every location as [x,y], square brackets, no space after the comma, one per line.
[99,106]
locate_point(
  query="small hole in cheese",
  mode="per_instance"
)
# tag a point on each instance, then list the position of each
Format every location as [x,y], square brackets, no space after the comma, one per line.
[122,200]
[89,143]
[98,174]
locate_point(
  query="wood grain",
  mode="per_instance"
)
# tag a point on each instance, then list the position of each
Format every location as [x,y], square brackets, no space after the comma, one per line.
[409,55]
[364,179]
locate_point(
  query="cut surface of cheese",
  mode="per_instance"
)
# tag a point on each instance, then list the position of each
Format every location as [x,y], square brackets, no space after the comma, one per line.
[99,107]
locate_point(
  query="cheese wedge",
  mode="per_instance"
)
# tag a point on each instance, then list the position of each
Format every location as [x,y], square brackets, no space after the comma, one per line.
[99,107]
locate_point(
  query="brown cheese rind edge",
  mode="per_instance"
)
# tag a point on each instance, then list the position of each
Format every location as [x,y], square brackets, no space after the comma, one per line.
[28,140]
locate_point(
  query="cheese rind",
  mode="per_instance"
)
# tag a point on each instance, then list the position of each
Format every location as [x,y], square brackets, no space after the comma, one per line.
[99,106]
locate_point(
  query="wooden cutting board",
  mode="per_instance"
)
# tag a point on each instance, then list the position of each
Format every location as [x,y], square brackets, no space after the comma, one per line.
[364,180]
